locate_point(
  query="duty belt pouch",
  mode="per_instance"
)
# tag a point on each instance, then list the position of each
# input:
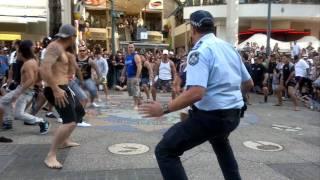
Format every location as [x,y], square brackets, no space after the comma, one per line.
[184,115]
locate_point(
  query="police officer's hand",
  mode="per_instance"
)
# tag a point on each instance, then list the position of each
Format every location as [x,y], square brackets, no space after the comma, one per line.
[152,109]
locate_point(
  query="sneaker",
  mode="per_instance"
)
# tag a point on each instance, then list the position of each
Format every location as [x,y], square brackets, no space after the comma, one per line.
[95,105]
[6,126]
[59,120]
[5,140]
[83,124]
[50,115]
[44,127]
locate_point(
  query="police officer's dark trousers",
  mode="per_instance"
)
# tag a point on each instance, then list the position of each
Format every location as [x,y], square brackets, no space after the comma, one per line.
[201,126]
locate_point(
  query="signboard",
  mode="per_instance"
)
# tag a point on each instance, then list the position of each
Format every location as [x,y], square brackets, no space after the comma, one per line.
[144,35]
[156,4]
[98,34]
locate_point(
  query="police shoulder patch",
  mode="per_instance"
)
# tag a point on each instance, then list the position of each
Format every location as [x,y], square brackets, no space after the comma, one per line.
[193,58]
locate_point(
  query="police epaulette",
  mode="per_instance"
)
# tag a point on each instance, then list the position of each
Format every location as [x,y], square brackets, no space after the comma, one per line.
[197,46]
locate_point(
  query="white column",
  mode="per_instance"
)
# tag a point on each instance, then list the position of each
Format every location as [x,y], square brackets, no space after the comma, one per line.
[221,29]
[186,38]
[66,10]
[48,19]
[232,21]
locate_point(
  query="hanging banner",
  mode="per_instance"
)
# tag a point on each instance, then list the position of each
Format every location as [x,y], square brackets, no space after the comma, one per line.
[156,4]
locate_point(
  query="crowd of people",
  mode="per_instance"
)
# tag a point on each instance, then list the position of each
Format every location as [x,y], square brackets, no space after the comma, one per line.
[294,74]
[28,68]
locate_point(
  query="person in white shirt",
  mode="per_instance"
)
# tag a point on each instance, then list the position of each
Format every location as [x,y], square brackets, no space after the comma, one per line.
[301,72]
[165,74]
[45,43]
[103,68]
[296,50]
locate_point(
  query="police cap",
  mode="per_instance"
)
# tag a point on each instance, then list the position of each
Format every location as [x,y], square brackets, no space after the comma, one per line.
[201,19]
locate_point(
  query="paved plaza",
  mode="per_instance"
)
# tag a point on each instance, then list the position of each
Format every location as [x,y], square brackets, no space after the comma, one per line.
[271,143]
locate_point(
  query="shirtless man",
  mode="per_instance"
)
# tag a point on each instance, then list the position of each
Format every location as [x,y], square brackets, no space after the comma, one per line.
[29,77]
[55,70]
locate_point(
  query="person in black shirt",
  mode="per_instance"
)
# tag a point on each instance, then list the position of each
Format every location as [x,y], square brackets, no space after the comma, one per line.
[246,61]
[111,63]
[16,74]
[271,68]
[119,65]
[260,77]
[287,81]
[86,63]
[146,76]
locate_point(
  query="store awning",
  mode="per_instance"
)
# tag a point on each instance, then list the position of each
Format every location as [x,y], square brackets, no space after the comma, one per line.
[275,31]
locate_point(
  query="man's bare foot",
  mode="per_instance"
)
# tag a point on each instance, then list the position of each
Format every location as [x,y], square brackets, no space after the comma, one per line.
[52,162]
[135,108]
[69,145]
[296,109]
[277,104]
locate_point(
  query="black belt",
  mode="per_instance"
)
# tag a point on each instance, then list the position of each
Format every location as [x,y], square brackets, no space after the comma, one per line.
[195,109]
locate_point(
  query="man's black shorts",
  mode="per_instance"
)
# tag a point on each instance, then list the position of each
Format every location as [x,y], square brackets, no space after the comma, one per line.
[73,112]
[166,84]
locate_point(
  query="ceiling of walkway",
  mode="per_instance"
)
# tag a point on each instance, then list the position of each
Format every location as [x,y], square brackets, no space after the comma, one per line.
[128,6]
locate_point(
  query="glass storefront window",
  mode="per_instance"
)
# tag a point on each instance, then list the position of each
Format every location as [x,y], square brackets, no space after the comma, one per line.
[97,18]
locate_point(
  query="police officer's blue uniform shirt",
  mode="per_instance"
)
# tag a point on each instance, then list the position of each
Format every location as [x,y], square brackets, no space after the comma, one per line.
[215,65]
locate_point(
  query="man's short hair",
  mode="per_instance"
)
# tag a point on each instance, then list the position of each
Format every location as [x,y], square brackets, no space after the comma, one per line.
[17,42]
[97,50]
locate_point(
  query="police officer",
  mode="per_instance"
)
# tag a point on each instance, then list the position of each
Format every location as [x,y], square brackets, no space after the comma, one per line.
[215,75]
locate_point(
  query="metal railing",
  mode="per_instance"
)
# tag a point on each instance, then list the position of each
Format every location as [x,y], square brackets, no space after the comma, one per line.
[221,2]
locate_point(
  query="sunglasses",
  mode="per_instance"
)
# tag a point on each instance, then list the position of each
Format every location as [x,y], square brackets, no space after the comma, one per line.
[82,50]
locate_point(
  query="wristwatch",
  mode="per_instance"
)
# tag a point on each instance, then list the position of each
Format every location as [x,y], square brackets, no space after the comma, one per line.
[165,109]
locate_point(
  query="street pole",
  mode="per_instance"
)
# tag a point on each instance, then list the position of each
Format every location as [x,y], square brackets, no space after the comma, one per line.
[269,29]
[113,28]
